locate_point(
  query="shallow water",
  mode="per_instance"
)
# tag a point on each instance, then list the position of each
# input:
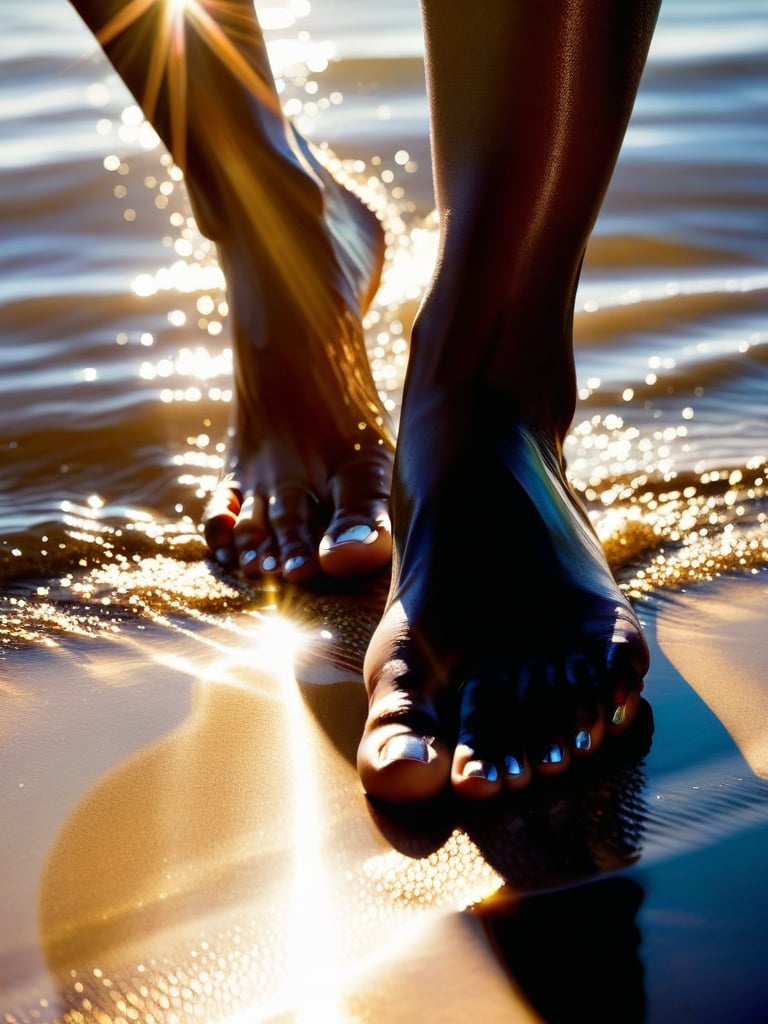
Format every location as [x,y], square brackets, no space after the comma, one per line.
[116,365]
[114,393]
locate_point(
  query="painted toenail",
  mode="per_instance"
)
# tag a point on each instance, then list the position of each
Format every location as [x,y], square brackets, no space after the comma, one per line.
[619,715]
[552,754]
[223,556]
[405,747]
[360,534]
[269,564]
[480,770]
[292,564]
[248,556]
[512,766]
[582,740]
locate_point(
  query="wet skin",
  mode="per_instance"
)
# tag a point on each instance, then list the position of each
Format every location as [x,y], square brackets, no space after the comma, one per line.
[501,655]
[506,648]
[310,454]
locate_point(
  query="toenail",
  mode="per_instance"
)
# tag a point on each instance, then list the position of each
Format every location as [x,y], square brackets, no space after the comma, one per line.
[512,766]
[223,556]
[405,747]
[553,753]
[582,740]
[248,556]
[360,534]
[269,564]
[292,564]
[480,770]
[619,715]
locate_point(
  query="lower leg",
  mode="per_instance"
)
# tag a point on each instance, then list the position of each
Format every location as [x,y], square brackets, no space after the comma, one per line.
[529,106]
[311,452]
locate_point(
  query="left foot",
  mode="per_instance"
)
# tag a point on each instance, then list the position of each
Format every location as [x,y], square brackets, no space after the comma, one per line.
[507,649]
[311,450]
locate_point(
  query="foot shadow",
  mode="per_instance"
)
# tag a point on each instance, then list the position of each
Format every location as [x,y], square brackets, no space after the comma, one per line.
[574,953]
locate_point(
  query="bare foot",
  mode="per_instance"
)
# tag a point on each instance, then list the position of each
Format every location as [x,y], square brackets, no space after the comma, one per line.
[506,648]
[311,450]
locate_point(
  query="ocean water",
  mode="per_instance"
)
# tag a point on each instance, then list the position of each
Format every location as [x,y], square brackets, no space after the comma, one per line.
[115,358]
[115,381]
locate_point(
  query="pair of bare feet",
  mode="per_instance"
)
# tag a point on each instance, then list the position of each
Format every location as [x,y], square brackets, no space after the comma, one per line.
[506,649]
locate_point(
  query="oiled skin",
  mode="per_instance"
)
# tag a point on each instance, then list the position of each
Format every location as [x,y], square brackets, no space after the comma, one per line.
[505,638]
[307,490]
[506,647]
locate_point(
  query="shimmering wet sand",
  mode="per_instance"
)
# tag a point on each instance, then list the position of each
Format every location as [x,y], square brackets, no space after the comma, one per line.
[184,837]
[189,840]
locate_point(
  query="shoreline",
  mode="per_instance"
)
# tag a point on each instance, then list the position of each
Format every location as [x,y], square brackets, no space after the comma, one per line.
[168,786]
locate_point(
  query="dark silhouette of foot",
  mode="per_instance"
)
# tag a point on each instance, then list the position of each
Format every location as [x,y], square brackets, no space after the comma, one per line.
[506,649]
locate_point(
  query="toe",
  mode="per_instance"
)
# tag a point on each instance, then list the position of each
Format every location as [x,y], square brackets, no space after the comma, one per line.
[588,732]
[547,709]
[249,536]
[219,518]
[472,776]
[401,757]
[626,666]
[356,546]
[516,771]
[583,680]
[486,722]
[291,511]
[401,764]
[552,757]
[358,539]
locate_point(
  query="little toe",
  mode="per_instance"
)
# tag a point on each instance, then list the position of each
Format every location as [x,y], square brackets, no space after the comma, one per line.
[626,668]
[219,518]
[624,709]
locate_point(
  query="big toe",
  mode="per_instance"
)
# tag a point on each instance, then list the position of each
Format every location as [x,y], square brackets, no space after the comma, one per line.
[355,545]
[401,757]
[358,538]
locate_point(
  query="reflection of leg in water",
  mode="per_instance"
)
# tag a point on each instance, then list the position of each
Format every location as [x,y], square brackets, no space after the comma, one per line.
[501,591]
[555,976]
[311,452]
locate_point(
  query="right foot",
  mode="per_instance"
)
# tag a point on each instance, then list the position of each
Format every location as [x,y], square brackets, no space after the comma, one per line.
[310,457]
[507,649]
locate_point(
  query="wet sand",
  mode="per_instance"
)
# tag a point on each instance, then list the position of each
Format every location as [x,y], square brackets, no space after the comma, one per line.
[186,839]
[183,833]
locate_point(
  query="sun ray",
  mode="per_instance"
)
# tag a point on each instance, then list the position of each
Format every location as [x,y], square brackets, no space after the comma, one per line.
[156,68]
[177,84]
[221,44]
[123,20]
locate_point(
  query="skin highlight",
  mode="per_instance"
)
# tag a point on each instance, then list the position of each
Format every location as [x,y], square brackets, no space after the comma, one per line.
[528,109]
